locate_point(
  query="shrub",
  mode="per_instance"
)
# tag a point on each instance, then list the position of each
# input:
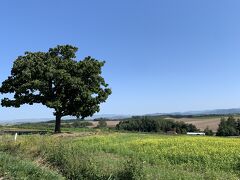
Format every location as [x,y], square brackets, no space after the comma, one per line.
[81,124]
[133,170]
[208,132]
[102,124]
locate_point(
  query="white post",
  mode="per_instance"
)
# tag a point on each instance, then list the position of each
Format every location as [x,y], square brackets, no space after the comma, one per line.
[15,137]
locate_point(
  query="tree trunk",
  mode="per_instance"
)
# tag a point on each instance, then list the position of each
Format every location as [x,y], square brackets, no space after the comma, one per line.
[58,123]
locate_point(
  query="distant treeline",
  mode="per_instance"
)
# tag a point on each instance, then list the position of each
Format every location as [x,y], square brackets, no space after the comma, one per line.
[178,116]
[49,125]
[148,124]
[175,116]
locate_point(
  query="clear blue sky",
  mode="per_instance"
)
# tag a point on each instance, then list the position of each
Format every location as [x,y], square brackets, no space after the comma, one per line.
[162,55]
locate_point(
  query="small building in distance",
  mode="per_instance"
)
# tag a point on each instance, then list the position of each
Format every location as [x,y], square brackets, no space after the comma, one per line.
[196,133]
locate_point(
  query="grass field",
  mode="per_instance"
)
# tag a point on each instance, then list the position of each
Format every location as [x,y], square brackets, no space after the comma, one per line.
[121,156]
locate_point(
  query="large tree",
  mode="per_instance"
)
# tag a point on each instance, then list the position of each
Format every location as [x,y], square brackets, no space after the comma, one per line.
[56,80]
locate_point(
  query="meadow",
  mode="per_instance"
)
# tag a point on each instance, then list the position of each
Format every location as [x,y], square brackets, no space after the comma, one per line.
[114,155]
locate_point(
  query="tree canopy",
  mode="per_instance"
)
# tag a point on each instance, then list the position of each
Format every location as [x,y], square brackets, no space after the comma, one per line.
[56,80]
[229,127]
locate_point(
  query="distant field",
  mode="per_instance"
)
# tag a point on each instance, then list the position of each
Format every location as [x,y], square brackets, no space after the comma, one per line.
[109,123]
[202,123]
[119,156]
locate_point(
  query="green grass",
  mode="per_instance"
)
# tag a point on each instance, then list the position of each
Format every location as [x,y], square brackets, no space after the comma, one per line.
[15,168]
[132,155]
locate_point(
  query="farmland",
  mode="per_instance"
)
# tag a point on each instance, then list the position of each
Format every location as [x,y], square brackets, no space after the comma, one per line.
[202,123]
[114,155]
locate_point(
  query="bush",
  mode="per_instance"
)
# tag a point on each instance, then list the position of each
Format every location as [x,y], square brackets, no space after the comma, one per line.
[133,170]
[208,132]
[102,124]
[81,124]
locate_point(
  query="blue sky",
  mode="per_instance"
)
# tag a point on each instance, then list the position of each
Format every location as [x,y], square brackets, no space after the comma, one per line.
[161,55]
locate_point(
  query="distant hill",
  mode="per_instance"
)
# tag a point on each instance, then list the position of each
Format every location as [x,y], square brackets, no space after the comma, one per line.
[119,117]
[35,120]
[205,112]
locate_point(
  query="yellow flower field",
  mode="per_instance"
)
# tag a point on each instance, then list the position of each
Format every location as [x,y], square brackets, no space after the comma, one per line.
[139,156]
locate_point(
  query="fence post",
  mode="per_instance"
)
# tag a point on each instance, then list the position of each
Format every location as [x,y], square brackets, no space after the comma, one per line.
[15,137]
